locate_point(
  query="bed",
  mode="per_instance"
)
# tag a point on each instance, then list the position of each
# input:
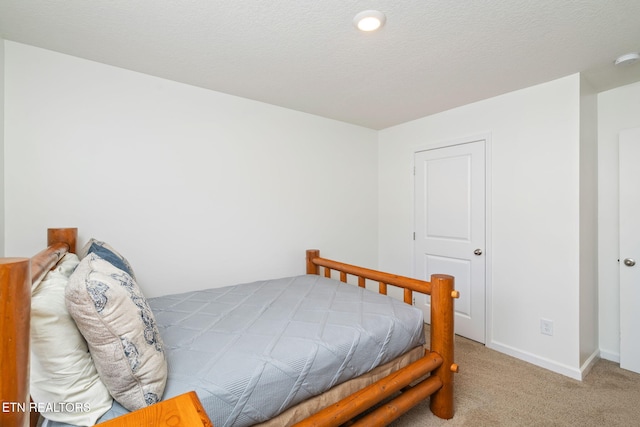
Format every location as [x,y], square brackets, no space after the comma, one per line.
[377,377]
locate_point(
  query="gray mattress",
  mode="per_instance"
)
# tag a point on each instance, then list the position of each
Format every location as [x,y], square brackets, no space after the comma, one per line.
[251,351]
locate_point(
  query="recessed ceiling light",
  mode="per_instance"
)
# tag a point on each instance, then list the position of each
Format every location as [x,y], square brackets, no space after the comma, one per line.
[369,20]
[627,59]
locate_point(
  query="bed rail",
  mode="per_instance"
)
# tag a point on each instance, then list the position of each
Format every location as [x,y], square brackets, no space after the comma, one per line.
[16,277]
[439,385]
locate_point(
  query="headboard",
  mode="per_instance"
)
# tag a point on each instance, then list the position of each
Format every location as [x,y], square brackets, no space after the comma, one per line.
[16,278]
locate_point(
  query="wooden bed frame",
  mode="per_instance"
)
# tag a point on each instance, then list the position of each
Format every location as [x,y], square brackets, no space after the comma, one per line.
[431,375]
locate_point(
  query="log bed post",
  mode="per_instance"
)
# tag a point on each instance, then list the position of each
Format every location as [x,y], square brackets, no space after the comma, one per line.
[442,336]
[312,268]
[15,297]
[68,236]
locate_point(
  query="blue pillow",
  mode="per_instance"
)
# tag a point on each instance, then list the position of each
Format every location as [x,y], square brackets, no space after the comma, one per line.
[110,255]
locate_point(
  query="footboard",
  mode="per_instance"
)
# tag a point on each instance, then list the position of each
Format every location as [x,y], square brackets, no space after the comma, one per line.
[438,361]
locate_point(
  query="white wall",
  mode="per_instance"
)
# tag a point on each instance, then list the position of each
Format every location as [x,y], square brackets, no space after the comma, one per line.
[173,174]
[196,188]
[534,212]
[589,349]
[618,109]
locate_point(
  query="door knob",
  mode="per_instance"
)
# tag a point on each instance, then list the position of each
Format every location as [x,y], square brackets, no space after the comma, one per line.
[477,252]
[629,262]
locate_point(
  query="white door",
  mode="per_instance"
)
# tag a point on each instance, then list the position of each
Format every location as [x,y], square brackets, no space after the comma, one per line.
[630,249]
[450,228]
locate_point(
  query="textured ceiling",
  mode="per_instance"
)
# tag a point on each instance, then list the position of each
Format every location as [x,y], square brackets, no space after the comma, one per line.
[432,55]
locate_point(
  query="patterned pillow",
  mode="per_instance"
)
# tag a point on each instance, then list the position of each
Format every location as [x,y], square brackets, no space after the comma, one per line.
[61,367]
[106,252]
[121,331]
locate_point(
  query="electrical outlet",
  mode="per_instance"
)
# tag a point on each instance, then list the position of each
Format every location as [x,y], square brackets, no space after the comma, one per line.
[546,327]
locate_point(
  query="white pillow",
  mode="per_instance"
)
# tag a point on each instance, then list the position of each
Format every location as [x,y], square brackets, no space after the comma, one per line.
[62,370]
[120,328]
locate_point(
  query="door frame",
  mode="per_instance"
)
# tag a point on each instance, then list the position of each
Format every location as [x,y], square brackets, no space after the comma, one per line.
[488,252]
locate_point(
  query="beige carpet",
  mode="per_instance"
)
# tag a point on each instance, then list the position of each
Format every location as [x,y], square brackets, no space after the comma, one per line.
[493,389]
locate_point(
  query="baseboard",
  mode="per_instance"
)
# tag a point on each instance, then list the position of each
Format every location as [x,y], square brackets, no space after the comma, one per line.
[542,362]
[588,364]
[610,355]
